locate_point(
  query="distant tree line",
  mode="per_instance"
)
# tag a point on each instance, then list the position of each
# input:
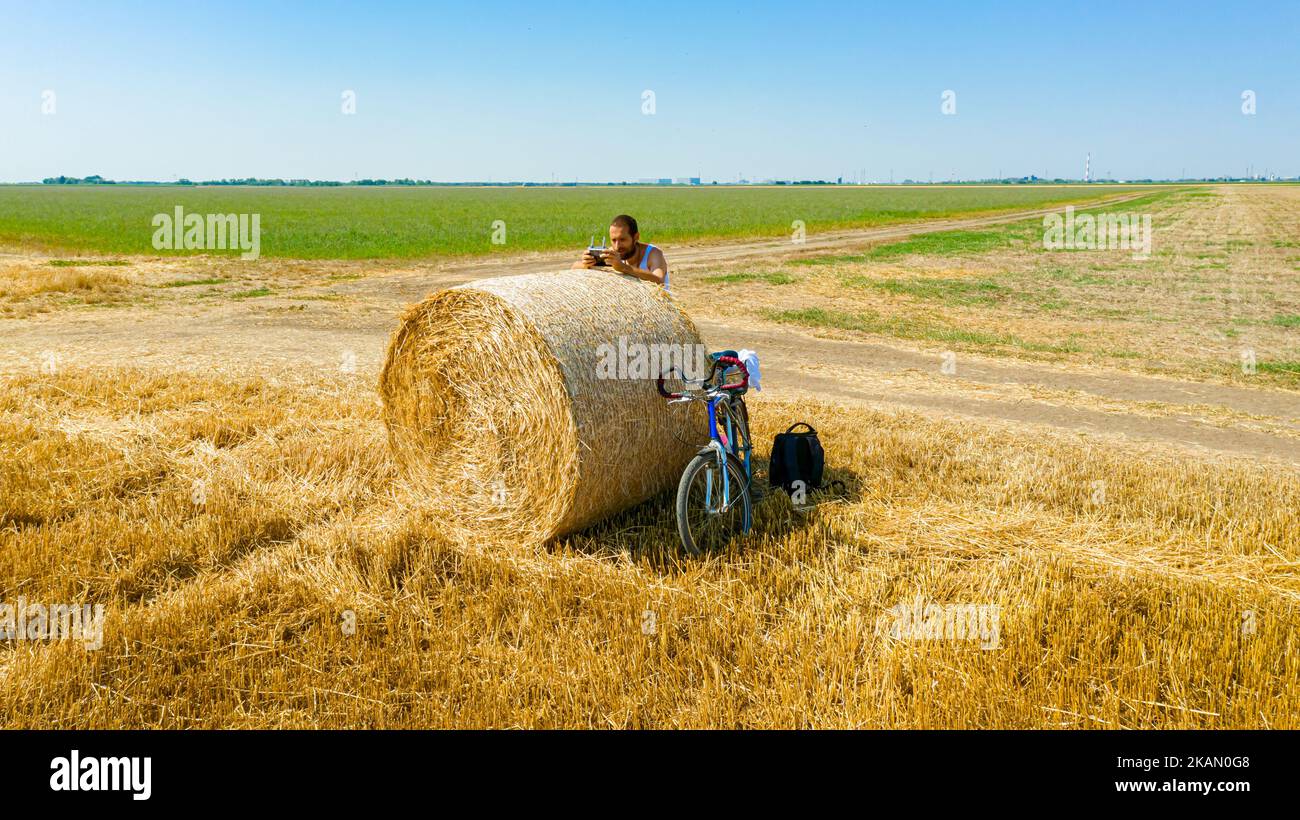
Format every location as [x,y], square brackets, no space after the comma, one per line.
[314,183]
[293,183]
[96,179]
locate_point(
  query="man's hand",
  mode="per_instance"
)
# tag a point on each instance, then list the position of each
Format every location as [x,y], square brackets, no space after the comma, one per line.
[588,260]
[616,262]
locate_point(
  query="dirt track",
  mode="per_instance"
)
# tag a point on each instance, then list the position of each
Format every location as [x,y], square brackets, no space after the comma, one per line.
[325,322]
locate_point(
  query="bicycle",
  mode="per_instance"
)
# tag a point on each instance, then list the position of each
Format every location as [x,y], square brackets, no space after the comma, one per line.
[707,519]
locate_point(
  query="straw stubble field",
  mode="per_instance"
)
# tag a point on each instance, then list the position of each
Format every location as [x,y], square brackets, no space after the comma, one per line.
[262,564]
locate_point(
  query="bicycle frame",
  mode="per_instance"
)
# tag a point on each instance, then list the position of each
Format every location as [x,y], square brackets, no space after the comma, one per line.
[728,433]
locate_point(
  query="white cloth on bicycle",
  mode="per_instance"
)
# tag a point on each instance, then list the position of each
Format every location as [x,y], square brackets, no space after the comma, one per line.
[750,358]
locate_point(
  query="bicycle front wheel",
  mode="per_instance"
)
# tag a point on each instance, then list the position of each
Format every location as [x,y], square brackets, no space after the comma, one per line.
[712,508]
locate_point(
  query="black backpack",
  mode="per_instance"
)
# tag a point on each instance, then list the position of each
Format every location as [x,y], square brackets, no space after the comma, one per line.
[796,457]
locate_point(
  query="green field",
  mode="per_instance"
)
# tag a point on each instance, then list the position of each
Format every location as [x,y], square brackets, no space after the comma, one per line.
[376,223]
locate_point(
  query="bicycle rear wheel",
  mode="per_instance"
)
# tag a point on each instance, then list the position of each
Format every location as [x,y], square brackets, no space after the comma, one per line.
[710,512]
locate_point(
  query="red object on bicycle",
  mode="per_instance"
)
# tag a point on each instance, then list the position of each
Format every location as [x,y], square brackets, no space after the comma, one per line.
[659,383]
[733,361]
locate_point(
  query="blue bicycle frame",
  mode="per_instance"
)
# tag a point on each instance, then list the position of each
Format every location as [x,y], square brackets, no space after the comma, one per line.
[723,443]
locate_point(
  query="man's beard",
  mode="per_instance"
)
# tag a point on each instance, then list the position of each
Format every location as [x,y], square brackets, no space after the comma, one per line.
[628,256]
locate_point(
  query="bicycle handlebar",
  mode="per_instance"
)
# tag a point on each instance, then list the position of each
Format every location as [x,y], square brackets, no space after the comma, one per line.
[729,361]
[659,384]
[733,361]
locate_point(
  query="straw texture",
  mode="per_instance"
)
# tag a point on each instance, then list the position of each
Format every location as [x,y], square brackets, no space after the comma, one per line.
[498,415]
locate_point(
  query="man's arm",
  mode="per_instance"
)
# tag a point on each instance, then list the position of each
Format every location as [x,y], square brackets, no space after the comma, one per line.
[585,261]
[656,262]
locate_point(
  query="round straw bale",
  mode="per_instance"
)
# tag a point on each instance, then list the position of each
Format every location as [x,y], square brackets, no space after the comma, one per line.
[502,413]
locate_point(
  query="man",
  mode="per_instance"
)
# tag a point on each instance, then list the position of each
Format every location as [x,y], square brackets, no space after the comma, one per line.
[627,254]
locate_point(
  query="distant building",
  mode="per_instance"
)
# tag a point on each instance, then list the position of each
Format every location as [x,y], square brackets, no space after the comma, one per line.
[665,181]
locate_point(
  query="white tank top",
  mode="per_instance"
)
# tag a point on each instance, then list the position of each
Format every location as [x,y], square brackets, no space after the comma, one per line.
[644,264]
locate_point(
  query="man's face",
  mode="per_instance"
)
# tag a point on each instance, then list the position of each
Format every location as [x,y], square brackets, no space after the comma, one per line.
[622,241]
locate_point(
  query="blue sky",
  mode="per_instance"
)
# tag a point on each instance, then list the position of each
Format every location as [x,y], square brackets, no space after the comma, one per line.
[528,90]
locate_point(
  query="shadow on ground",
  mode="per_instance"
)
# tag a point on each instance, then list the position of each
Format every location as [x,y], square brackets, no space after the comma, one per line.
[648,532]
